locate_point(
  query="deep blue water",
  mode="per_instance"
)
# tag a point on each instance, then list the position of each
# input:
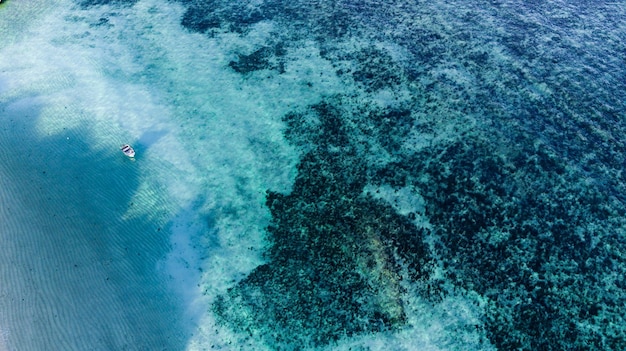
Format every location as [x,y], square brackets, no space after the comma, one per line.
[321,175]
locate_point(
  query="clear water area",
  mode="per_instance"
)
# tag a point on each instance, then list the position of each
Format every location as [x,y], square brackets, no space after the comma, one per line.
[454,180]
[75,273]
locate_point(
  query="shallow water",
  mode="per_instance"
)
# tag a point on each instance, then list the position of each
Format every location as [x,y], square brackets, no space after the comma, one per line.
[312,175]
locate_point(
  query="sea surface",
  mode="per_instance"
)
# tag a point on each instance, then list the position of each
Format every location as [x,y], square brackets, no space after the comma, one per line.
[313,175]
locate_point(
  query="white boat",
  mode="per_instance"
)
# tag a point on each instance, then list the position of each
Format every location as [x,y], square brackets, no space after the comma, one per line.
[128,150]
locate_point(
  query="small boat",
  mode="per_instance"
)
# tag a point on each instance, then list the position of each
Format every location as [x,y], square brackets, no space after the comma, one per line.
[128,150]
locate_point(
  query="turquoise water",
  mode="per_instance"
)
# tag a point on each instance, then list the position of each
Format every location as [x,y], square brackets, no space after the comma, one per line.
[312,175]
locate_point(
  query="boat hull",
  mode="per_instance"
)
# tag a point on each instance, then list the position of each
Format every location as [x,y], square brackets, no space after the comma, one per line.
[128,150]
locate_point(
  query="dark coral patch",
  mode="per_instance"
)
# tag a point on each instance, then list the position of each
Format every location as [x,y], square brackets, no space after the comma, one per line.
[528,233]
[330,273]
[376,70]
[263,58]
[332,269]
[201,16]
[88,3]
[206,15]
